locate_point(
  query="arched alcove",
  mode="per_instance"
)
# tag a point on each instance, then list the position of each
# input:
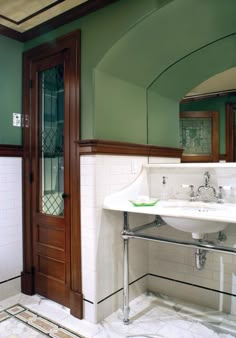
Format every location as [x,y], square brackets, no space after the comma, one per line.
[175,82]
[138,83]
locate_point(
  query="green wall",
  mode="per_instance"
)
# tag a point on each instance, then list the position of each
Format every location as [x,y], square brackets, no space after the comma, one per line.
[11,87]
[213,104]
[99,32]
[163,123]
[170,59]
[134,52]
[121,108]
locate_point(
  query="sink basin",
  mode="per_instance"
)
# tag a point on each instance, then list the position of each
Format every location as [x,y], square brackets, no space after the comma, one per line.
[197,218]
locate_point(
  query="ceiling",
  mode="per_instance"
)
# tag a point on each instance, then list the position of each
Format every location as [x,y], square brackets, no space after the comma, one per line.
[22,15]
[25,19]
[222,82]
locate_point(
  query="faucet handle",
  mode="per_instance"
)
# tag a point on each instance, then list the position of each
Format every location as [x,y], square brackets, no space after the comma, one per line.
[192,194]
[225,187]
[187,185]
[220,193]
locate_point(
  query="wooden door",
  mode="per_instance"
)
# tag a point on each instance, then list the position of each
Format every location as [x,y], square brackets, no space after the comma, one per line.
[50,184]
[51,177]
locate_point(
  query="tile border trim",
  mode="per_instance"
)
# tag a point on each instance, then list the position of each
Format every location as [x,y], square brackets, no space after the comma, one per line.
[9,280]
[112,294]
[191,284]
[166,278]
[37,316]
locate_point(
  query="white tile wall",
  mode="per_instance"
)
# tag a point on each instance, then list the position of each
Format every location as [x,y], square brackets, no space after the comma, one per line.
[178,262]
[191,175]
[102,245]
[10,225]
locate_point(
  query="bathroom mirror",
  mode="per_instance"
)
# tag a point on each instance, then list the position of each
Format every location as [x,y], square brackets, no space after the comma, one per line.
[193,84]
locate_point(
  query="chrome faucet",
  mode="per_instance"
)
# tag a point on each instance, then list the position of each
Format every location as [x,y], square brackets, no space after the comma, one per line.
[206,187]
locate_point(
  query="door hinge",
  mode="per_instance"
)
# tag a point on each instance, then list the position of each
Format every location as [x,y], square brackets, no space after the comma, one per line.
[31,177]
[25,120]
[31,83]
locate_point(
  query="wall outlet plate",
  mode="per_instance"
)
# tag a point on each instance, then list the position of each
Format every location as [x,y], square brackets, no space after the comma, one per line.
[16,120]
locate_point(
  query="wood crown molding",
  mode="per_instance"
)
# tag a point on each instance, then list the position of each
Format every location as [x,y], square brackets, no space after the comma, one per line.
[11,150]
[11,33]
[90,147]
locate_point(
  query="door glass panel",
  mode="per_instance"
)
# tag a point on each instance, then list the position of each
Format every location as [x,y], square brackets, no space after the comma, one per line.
[196,135]
[51,141]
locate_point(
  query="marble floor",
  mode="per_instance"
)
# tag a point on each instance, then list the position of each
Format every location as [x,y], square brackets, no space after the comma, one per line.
[151,316]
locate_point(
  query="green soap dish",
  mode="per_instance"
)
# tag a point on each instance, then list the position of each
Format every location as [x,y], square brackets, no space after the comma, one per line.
[150,203]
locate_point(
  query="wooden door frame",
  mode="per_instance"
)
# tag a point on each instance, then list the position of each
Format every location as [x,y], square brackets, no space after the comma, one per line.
[69,42]
[230,135]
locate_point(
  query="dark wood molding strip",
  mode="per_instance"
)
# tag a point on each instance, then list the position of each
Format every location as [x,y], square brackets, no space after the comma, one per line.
[72,14]
[229,131]
[27,283]
[66,17]
[90,147]
[11,150]
[11,33]
[75,299]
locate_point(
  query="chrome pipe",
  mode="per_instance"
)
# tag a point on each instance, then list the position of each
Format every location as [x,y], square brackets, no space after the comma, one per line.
[126,271]
[200,258]
[158,221]
[208,246]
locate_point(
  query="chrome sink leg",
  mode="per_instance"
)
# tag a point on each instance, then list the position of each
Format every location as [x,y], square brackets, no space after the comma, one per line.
[126,272]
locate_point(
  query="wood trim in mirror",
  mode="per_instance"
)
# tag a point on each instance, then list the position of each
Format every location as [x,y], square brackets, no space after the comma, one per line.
[229,132]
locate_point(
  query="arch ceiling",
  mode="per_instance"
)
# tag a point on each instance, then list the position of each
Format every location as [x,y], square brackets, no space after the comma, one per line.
[176,47]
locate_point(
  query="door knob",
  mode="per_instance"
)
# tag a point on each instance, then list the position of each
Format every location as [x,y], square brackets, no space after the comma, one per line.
[64,195]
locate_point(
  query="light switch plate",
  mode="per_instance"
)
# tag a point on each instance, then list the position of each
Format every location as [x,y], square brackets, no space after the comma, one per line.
[16,119]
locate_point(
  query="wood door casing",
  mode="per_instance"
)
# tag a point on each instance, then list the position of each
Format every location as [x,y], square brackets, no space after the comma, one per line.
[47,246]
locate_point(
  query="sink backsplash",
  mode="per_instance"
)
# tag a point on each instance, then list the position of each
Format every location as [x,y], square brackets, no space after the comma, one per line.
[166,181]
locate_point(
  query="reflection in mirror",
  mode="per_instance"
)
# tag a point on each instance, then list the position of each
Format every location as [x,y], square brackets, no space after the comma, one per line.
[199,136]
[224,102]
[171,93]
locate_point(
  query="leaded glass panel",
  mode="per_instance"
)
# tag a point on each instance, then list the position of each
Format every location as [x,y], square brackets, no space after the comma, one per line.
[51,141]
[196,135]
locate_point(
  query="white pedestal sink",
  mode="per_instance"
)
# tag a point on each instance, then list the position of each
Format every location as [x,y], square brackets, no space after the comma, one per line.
[198,218]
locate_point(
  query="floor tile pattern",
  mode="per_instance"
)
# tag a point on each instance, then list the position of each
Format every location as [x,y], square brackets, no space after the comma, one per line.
[158,316]
[151,316]
[20,322]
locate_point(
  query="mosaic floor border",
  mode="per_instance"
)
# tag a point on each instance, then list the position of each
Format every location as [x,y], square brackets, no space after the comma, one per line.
[37,322]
